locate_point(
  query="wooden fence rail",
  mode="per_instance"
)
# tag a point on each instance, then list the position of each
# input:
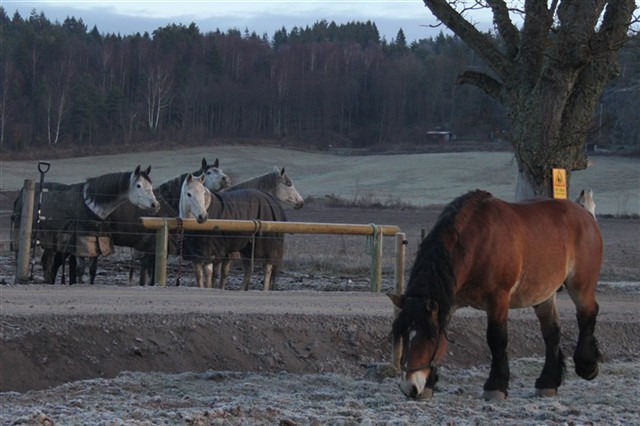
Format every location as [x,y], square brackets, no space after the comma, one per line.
[162,226]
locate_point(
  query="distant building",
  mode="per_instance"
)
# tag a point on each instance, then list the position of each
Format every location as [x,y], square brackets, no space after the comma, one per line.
[440,136]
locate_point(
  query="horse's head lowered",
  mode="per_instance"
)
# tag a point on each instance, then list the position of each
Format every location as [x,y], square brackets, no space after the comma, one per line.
[214,178]
[141,190]
[195,198]
[423,342]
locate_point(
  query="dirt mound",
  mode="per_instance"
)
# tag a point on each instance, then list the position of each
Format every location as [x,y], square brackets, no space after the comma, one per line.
[75,333]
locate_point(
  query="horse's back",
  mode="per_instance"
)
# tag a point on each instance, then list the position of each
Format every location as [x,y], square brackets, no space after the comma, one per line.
[246,204]
[528,248]
[241,204]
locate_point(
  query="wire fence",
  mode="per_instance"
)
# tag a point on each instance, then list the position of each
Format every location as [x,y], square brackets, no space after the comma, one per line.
[341,262]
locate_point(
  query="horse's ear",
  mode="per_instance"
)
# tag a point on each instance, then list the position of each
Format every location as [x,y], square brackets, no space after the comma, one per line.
[137,170]
[216,163]
[201,178]
[148,170]
[282,172]
[204,163]
[396,300]
[189,178]
[276,169]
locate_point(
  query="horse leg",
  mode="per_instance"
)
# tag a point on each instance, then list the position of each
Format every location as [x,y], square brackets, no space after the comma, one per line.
[151,268]
[225,266]
[268,273]
[587,354]
[132,266]
[248,272]
[79,269]
[147,269]
[46,260]
[217,265]
[208,271]
[59,261]
[495,388]
[73,273]
[274,275]
[93,270]
[553,371]
[199,270]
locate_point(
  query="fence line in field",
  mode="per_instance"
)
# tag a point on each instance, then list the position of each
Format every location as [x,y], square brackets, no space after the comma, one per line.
[162,226]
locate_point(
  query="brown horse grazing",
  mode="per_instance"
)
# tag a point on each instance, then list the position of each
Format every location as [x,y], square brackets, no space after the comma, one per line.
[493,255]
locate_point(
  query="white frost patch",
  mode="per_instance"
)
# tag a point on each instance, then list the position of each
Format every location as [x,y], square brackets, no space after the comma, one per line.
[627,286]
[215,397]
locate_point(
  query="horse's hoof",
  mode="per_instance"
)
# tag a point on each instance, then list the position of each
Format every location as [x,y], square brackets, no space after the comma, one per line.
[588,374]
[494,395]
[545,393]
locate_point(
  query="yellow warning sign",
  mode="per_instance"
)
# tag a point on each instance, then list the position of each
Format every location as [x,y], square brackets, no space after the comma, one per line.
[559,183]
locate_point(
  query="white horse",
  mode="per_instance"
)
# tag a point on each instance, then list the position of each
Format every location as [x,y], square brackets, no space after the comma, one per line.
[195,199]
[585,199]
[276,183]
[203,247]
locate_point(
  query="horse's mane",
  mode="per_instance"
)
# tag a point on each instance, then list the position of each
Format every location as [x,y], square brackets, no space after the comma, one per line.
[432,274]
[266,182]
[170,190]
[108,188]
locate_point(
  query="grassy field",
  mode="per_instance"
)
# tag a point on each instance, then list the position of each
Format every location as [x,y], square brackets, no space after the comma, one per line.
[416,179]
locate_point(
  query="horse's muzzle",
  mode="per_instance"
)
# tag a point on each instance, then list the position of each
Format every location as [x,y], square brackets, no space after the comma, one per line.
[427,393]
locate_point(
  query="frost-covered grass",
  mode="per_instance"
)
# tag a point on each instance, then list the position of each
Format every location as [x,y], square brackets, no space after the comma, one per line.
[230,398]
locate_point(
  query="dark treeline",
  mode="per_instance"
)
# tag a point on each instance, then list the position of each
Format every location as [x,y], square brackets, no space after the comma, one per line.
[66,85]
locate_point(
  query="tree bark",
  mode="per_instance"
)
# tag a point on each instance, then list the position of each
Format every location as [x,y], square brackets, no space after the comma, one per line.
[549,75]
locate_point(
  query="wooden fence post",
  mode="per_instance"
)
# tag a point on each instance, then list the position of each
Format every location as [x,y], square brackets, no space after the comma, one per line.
[401,244]
[376,255]
[26,225]
[162,239]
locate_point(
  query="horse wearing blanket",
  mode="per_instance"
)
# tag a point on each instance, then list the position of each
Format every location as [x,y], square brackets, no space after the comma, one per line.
[280,186]
[201,248]
[77,217]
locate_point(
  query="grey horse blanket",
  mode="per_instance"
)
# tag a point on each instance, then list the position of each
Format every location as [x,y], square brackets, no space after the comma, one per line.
[67,225]
[243,204]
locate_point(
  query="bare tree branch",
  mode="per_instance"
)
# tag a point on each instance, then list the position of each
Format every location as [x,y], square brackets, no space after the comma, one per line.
[490,85]
[507,30]
[534,39]
[481,43]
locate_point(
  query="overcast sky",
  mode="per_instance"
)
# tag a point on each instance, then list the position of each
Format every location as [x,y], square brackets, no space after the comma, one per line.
[128,17]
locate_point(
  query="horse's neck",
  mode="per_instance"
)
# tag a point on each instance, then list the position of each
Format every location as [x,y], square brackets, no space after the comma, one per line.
[170,190]
[104,202]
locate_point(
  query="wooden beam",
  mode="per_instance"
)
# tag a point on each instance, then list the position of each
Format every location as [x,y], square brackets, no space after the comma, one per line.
[156,223]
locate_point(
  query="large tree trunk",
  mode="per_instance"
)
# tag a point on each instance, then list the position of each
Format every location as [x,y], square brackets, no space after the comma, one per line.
[549,75]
